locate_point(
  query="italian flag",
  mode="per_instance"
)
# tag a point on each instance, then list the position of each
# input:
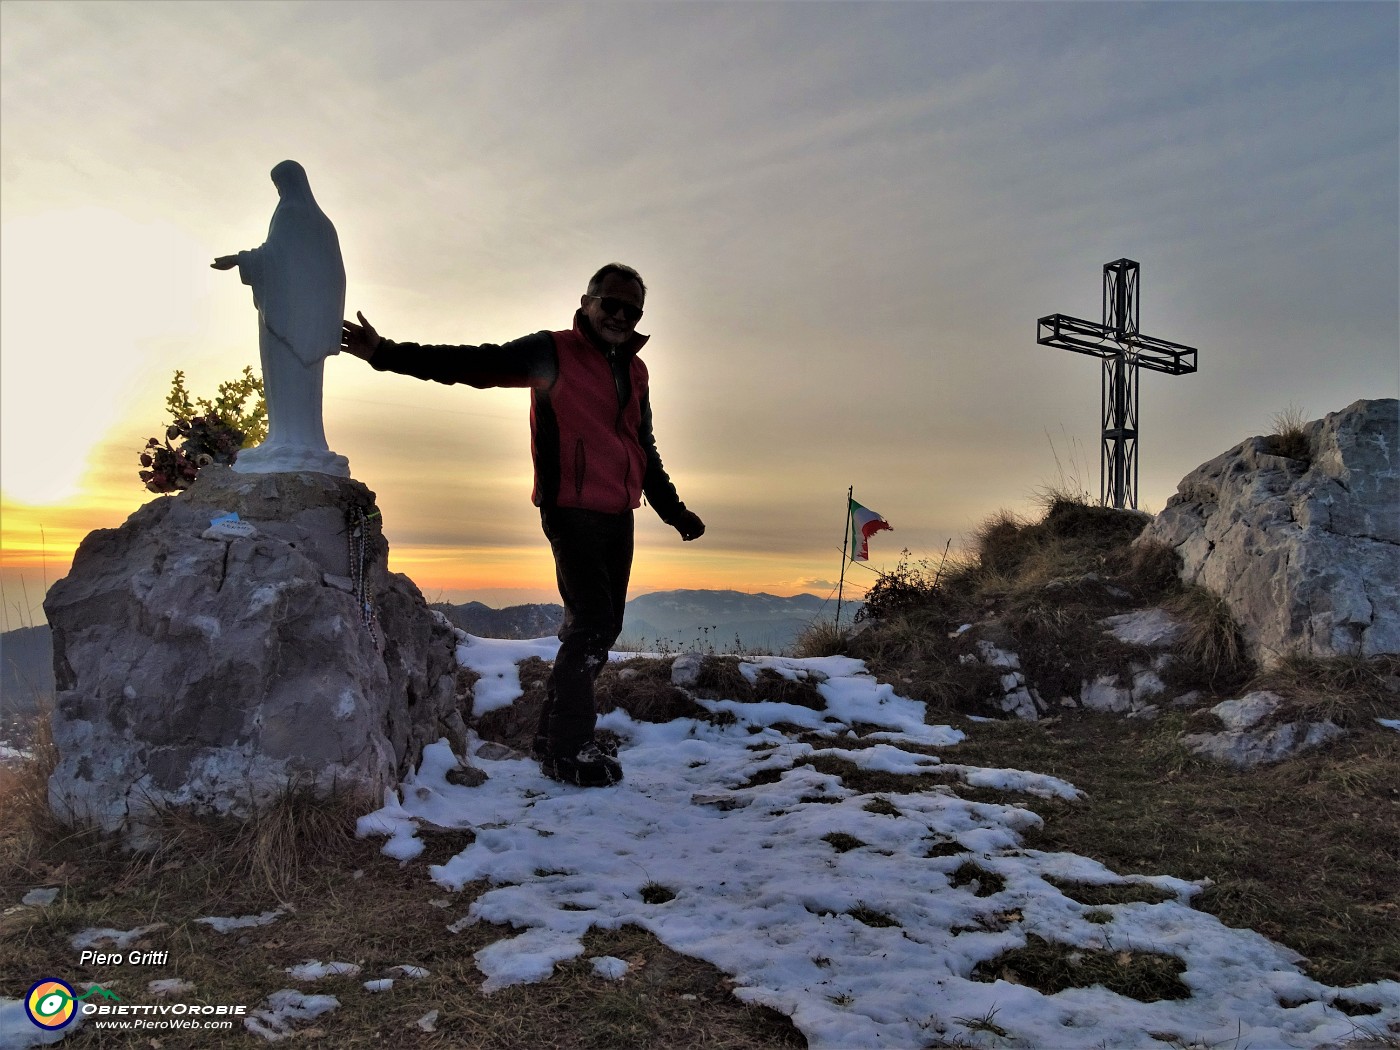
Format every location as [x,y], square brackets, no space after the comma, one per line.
[864,524]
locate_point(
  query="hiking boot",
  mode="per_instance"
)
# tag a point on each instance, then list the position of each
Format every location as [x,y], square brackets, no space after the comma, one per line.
[590,767]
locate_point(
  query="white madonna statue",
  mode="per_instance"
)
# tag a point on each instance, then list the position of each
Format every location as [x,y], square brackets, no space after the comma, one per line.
[298,283]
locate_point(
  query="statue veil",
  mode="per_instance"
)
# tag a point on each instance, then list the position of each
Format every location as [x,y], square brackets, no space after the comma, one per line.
[303,277]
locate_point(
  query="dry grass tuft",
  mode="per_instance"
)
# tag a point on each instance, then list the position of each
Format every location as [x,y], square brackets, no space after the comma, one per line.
[272,848]
[1290,435]
[1071,540]
[642,687]
[1212,652]
[801,692]
[1002,543]
[24,785]
[984,883]
[656,893]
[1151,570]
[721,679]
[882,806]
[1349,691]
[821,638]
[876,919]
[842,842]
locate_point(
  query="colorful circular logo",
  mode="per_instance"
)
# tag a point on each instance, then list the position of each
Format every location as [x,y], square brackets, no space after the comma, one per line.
[50,1003]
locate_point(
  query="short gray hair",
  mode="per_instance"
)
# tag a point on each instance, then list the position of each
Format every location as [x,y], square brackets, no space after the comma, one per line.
[596,281]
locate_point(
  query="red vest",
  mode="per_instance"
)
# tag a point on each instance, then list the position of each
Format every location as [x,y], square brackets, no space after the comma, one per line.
[583,435]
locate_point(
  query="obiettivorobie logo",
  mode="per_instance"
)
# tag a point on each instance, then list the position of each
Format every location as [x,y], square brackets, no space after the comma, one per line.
[52,1003]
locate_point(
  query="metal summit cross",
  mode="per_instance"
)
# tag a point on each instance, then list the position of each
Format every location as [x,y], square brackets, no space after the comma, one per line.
[1123,350]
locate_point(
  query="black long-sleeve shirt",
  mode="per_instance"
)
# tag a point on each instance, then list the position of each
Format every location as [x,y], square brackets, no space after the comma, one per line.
[532,362]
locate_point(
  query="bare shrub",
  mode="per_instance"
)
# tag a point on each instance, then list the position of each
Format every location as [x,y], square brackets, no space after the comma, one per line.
[914,585]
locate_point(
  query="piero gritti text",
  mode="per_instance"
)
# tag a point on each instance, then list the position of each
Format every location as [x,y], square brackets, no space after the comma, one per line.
[134,958]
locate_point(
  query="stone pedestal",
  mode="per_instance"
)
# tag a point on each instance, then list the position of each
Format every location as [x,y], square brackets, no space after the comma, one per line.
[215,673]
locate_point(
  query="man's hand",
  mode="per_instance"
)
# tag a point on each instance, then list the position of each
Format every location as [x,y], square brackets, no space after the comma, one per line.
[689,526]
[224,262]
[360,339]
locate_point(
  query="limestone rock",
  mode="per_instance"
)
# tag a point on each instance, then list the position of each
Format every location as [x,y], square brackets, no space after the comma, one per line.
[1152,628]
[1138,691]
[1248,711]
[1018,698]
[685,670]
[1139,695]
[1250,739]
[215,673]
[1305,554]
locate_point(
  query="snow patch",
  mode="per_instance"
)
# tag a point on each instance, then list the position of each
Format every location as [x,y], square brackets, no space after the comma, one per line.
[224,925]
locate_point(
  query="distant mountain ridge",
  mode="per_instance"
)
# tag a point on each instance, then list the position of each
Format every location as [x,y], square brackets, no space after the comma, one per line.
[677,619]
[26,669]
[514,621]
[722,619]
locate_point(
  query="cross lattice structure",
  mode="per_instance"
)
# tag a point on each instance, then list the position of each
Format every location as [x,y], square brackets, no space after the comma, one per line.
[1122,347]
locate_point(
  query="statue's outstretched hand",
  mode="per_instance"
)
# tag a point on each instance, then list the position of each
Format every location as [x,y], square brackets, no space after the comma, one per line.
[359,339]
[224,262]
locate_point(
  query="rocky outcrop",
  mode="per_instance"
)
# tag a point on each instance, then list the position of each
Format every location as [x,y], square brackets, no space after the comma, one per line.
[1139,690]
[1017,698]
[1253,734]
[215,667]
[1304,551]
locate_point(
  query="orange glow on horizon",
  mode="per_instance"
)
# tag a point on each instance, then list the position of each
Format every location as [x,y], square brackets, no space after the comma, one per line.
[462,569]
[38,543]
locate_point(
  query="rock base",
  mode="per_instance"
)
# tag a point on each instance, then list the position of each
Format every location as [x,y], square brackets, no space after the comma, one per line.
[217,673]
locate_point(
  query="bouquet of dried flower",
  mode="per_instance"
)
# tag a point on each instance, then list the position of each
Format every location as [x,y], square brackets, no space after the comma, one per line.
[202,440]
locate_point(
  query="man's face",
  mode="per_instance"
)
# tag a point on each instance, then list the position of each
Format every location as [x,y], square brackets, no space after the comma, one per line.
[613,326]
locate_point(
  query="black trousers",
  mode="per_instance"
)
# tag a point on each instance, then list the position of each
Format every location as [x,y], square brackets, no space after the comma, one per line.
[592,563]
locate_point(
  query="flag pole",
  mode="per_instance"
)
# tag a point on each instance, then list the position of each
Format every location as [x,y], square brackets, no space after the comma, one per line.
[845,543]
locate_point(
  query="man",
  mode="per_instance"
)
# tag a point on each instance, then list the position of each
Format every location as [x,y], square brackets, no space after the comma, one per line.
[595,457]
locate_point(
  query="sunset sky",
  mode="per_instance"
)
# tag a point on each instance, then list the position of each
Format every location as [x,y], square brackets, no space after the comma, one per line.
[849,217]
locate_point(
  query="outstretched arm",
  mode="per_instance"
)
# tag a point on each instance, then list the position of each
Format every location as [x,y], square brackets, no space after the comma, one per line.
[360,339]
[249,266]
[526,362]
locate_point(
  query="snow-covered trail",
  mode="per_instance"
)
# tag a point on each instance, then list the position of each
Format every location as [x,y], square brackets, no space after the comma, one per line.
[869,945]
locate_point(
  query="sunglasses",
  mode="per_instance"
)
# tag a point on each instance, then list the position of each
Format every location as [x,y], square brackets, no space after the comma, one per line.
[610,306]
